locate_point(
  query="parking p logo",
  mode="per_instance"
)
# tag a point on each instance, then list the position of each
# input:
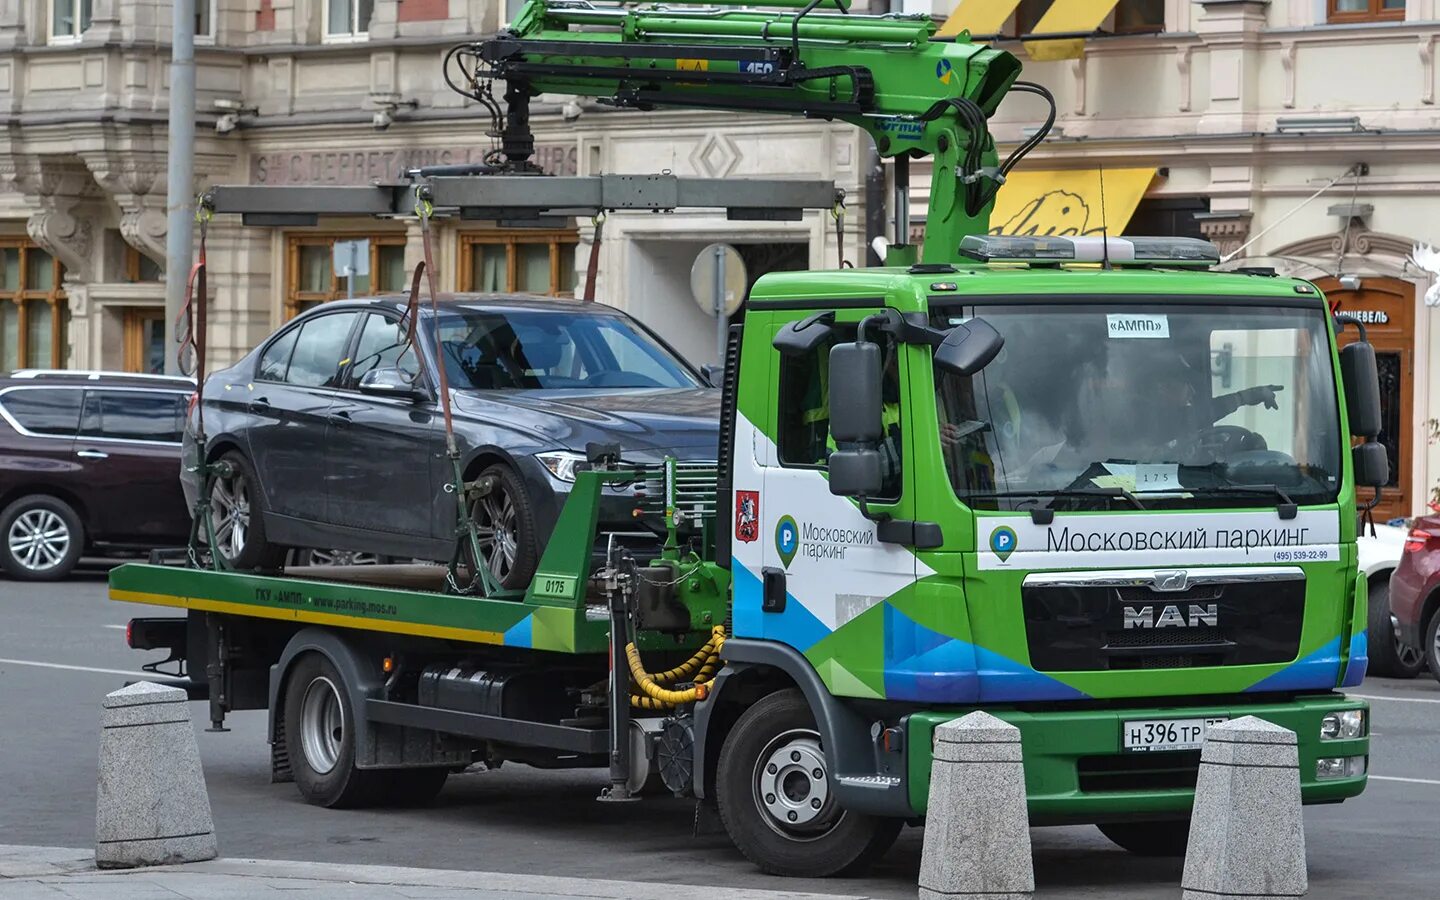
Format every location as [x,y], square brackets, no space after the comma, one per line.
[1002,542]
[787,539]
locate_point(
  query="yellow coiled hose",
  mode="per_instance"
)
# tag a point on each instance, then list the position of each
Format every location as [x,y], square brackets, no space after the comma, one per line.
[654,695]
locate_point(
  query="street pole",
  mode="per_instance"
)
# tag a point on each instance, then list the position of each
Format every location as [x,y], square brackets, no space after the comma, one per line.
[181,181]
[720,323]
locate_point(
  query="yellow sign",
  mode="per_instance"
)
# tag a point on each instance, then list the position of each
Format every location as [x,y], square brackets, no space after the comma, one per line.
[1066,202]
[979,17]
[1068,17]
[692,65]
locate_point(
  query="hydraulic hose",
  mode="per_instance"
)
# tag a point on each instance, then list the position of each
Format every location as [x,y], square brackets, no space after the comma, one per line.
[654,695]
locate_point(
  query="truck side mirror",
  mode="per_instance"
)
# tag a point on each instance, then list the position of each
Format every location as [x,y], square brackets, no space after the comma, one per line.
[854,387]
[968,347]
[855,419]
[1361,377]
[1372,466]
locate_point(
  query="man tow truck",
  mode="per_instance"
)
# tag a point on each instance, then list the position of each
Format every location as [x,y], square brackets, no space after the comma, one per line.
[1087,485]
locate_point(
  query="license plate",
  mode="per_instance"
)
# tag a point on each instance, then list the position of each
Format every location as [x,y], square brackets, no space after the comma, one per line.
[1155,735]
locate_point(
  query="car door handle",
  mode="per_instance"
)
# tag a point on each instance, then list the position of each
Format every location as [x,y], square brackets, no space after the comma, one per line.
[258,405]
[340,418]
[92,454]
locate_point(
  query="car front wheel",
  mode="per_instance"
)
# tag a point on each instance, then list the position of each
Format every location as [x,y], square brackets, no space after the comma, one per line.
[42,538]
[505,525]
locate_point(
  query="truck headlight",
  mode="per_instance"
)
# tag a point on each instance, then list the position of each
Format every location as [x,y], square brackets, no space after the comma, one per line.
[561,463]
[1328,768]
[1342,726]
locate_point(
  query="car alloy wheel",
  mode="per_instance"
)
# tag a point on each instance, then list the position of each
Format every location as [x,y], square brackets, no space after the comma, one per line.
[38,539]
[495,526]
[230,513]
[1408,656]
[342,558]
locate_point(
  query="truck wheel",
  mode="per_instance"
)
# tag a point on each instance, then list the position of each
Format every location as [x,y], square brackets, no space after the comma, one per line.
[320,735]
[775,797]
[505,520]
[40,538]
[237,514]
[1150,838]
[1389,656]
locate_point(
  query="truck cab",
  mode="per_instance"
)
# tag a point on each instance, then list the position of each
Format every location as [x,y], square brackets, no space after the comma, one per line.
[1121,509]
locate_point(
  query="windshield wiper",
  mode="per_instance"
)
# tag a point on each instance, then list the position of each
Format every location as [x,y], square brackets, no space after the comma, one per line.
[1044,515]
[1287,508]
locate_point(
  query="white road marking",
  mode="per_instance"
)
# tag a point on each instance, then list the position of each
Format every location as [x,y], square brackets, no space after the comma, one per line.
[1406,780]
[48,665]
[117,627]
[1396,699]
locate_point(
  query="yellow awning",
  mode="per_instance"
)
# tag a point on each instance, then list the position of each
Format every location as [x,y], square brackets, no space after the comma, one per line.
[1066,202]
[1066,16]
[982,17]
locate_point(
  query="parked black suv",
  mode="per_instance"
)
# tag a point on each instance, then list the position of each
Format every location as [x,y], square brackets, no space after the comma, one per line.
[89,462]
[333,433]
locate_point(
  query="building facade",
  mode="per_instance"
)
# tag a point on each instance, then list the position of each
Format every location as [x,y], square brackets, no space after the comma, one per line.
[1297,134]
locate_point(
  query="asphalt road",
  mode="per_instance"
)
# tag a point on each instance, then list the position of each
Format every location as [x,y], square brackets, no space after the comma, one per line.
[62,648]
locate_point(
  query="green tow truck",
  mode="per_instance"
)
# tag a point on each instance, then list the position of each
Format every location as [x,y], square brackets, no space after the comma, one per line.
[1085,484]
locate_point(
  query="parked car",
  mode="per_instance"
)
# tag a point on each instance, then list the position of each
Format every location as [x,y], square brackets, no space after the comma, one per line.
[334,439]
[89,463]
[1380,553]
[1415,591]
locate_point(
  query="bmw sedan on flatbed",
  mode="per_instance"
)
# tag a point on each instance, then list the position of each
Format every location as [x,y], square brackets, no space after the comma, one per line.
[334,433]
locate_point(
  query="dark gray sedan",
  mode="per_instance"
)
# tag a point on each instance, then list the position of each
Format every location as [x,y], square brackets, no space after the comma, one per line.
[334,443]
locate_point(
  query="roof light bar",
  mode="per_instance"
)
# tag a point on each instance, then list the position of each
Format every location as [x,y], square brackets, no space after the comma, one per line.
[1136,251]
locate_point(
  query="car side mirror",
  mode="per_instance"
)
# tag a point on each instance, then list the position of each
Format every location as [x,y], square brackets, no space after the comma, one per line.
[713,374]
[391,382]
[1372,466]
[968,347]
[1361,378]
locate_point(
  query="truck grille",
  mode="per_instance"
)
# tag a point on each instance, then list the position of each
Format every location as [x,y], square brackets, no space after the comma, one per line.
[1099,622]
[1138,772]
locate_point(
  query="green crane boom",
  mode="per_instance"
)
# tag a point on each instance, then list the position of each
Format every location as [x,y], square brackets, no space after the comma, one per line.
[916,94]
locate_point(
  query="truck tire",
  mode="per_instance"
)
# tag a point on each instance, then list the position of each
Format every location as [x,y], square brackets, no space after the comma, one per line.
[506,519]
[774,795]
[236,507]
[320,735]
[1389,657]
[1167,838]
[41,538]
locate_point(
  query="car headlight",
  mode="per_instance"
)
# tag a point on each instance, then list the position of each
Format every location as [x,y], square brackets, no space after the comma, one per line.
[561,463]
[1331,767]
[1342,726]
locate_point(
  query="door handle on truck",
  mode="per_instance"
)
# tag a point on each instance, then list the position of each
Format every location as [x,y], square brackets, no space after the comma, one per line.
[92,454]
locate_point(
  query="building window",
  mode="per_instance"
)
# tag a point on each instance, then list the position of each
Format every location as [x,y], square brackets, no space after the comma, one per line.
[205,21]
[347,19]
[68,20]
[144,340]
[1343,11]
[527,262]
[1129,17]
[34,317]
[310,277]
[140,268]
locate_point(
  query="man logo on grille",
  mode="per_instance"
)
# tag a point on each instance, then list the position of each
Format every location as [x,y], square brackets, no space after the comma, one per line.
[1172,617]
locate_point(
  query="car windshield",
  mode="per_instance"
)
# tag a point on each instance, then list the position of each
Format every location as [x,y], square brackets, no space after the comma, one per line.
[1178,406]
[492,350]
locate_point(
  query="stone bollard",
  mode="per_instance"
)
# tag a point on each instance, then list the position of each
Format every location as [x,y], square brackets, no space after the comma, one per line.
[1247,838]
[977,830]
[152,807]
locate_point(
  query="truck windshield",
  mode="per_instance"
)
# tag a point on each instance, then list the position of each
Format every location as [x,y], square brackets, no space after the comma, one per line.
[1165,405]
[498,349]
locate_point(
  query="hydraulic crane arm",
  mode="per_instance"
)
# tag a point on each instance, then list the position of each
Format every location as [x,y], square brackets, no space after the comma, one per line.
[916,94]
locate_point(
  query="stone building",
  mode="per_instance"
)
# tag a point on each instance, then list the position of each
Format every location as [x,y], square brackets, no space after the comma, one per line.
[1297,134]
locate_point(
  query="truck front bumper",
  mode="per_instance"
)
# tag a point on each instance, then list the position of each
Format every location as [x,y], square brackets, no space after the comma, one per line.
[1076,771]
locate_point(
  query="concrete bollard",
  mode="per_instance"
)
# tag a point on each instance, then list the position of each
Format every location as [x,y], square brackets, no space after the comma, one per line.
[1247,838]
[977,830]
[152,808]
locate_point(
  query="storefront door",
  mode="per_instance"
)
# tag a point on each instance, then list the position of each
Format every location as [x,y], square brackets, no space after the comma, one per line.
[1386,306]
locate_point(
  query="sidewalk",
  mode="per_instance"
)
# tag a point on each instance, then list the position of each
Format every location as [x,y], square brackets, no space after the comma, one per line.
[51,873]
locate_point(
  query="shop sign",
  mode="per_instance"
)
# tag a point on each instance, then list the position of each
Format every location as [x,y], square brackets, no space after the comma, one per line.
[1368,316]
[365,166]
